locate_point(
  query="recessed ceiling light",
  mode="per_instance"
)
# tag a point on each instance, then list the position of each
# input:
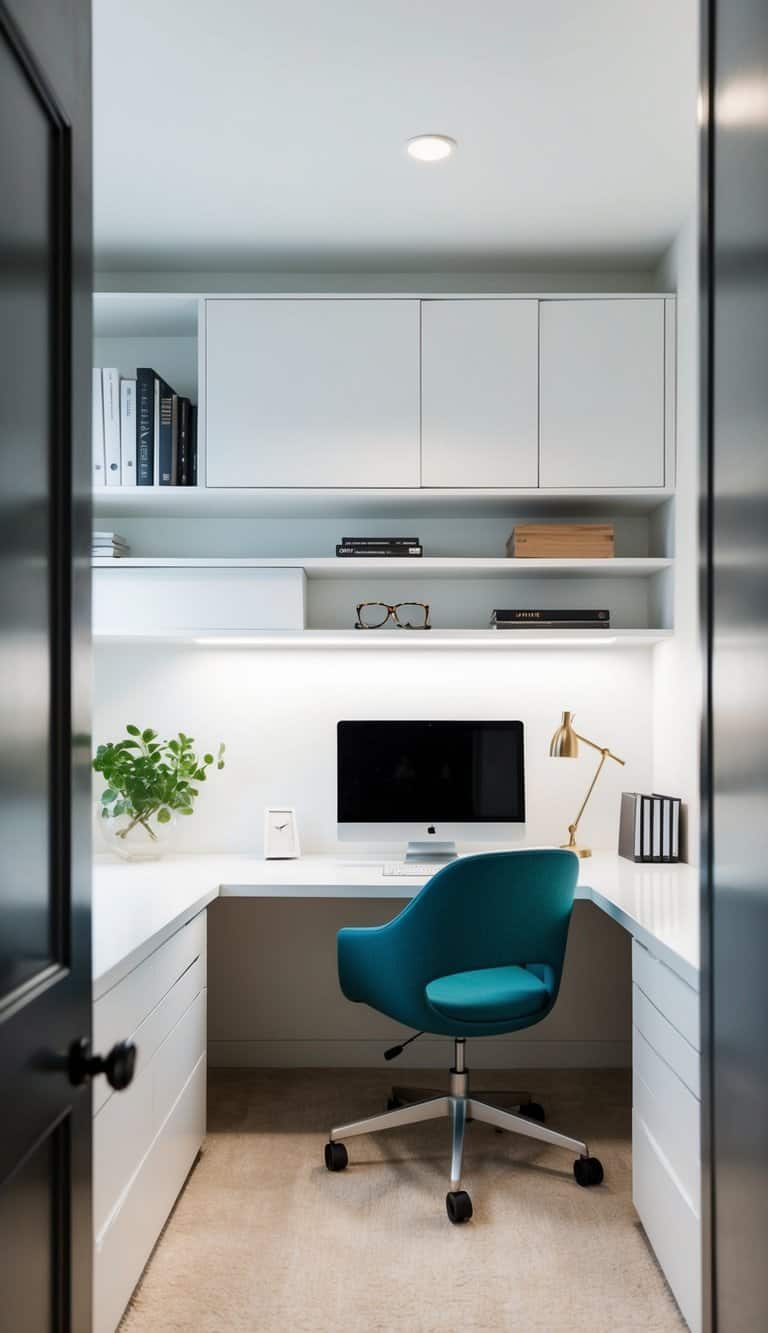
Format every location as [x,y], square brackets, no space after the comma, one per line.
[431,147]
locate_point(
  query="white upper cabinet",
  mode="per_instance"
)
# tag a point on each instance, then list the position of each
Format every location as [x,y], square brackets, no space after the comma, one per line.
[312,392]
[602,403]
[479,393]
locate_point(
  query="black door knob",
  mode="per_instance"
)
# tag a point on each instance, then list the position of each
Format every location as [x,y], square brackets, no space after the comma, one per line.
[118,1065]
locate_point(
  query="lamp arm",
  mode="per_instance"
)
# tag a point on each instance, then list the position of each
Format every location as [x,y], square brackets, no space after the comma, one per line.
[573,827]
[603,749]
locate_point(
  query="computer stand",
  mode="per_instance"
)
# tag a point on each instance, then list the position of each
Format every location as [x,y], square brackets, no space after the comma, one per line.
[438,852]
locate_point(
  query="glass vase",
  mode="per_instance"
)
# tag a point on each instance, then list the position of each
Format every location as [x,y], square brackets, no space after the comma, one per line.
[135,839]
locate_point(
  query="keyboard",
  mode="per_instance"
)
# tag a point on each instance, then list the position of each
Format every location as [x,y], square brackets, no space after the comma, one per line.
[421,869]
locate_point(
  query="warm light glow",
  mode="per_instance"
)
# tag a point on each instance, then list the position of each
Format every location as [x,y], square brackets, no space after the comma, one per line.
[431,147]
[317,639]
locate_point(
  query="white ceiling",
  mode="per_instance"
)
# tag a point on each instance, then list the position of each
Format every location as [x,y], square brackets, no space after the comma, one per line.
[241,134]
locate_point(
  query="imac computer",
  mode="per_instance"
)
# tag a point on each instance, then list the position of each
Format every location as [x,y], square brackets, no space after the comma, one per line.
[430,783]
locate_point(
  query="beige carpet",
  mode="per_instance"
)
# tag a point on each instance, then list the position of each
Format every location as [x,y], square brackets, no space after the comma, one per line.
[265,1238]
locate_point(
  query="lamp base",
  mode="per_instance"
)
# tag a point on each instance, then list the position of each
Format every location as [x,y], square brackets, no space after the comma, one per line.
[571,847]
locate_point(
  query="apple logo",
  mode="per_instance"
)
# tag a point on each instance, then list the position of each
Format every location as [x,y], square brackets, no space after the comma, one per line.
[430,828]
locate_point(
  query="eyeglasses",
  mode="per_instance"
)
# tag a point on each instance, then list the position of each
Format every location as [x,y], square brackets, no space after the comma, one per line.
[406,615]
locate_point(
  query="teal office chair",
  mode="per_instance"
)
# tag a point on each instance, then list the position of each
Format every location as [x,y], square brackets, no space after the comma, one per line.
[478,952]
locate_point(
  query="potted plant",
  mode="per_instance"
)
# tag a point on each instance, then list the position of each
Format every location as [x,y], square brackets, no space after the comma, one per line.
[149,781]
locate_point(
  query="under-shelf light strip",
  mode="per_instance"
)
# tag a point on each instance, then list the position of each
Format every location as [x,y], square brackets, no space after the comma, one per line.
[318,640]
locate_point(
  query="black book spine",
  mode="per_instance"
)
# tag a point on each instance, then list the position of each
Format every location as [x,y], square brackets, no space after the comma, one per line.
[532,616]
[183,453]
[371,553]
[145,426]
[379,541]
[192,469]
[523,625]
[165,443]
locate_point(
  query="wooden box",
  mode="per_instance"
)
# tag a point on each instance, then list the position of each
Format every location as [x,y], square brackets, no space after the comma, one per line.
[564,541]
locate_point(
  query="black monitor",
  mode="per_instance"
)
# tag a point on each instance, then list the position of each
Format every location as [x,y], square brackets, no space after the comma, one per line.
[430,779]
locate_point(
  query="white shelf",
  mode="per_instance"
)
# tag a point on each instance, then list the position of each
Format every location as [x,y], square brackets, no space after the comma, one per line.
[200,501]
[425,567]
[409,641]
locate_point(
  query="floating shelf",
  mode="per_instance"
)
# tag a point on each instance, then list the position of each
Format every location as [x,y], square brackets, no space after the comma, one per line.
[413,641]
[425,567]
[200,501]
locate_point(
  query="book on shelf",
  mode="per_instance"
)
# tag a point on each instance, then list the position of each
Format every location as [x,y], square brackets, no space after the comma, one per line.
[128,432]
[535,616]
[564,541]
[649,827]
[192,466]
[110,377]
[145,426]
[97,429]
[380,552]
[380,541]
[182,455]
[109,544]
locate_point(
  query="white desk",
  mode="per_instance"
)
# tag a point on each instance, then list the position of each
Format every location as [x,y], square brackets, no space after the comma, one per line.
[137,907]
[149,951]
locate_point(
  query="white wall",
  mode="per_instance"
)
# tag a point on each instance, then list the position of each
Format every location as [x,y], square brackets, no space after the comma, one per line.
[677,678]
[277,711]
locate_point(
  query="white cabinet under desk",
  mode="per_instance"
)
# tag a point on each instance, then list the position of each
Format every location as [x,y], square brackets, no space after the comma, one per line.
[146,1138]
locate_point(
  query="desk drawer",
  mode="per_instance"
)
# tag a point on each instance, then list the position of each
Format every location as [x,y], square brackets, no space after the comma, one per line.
[126,1125]
[120,1013]
[677,1001]
[666,1040]
[126,1244]
[672,1115]
[670,1223]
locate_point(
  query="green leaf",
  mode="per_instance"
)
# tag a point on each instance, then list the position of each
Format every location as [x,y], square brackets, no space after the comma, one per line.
[132,731]
[148,734]
[186,810]
[108,796]
[220,764]
[207,758]
[163,815]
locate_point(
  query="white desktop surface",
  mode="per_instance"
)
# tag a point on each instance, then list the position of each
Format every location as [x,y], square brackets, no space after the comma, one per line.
[138,906]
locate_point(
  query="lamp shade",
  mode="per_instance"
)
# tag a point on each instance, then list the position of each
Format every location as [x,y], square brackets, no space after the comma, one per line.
[564,743]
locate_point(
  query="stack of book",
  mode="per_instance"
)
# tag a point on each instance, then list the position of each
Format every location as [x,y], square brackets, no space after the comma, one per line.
[564,541]
[382,548]
[649,827]
[549,619]
[144,434]
[109,544]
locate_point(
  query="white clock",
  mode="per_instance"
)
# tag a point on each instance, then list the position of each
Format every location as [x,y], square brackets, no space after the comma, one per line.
[281,835]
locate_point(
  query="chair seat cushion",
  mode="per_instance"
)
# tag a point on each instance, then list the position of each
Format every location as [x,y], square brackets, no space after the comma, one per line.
[491,994]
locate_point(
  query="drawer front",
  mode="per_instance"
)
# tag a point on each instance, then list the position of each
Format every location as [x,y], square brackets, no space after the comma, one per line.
[120,1013]
[153,601]
[666,1040]
[672,1115]
[677,1001]
[124,1129]
[122,1251]
[670,1223]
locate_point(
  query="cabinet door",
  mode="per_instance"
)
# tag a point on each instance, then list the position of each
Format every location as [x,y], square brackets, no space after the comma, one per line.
[312,393]
[479,393]
[602,393]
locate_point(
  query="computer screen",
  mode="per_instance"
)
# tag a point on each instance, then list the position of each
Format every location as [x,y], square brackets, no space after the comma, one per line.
[421,772]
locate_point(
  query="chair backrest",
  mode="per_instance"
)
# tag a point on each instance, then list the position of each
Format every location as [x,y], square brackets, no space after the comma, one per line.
[491,910]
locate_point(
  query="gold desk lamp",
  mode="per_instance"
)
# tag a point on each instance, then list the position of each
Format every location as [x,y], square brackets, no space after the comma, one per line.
[565,745]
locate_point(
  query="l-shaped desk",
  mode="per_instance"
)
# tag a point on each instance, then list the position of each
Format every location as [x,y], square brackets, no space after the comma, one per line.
[149,982]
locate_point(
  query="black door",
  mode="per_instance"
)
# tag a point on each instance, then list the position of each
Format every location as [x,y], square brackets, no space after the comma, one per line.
[735,942]
[45,356]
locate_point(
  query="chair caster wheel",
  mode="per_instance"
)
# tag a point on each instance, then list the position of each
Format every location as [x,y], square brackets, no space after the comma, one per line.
[458,1206]
[534,1111]
[393,1104]
[336,1156]
[588,1171]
